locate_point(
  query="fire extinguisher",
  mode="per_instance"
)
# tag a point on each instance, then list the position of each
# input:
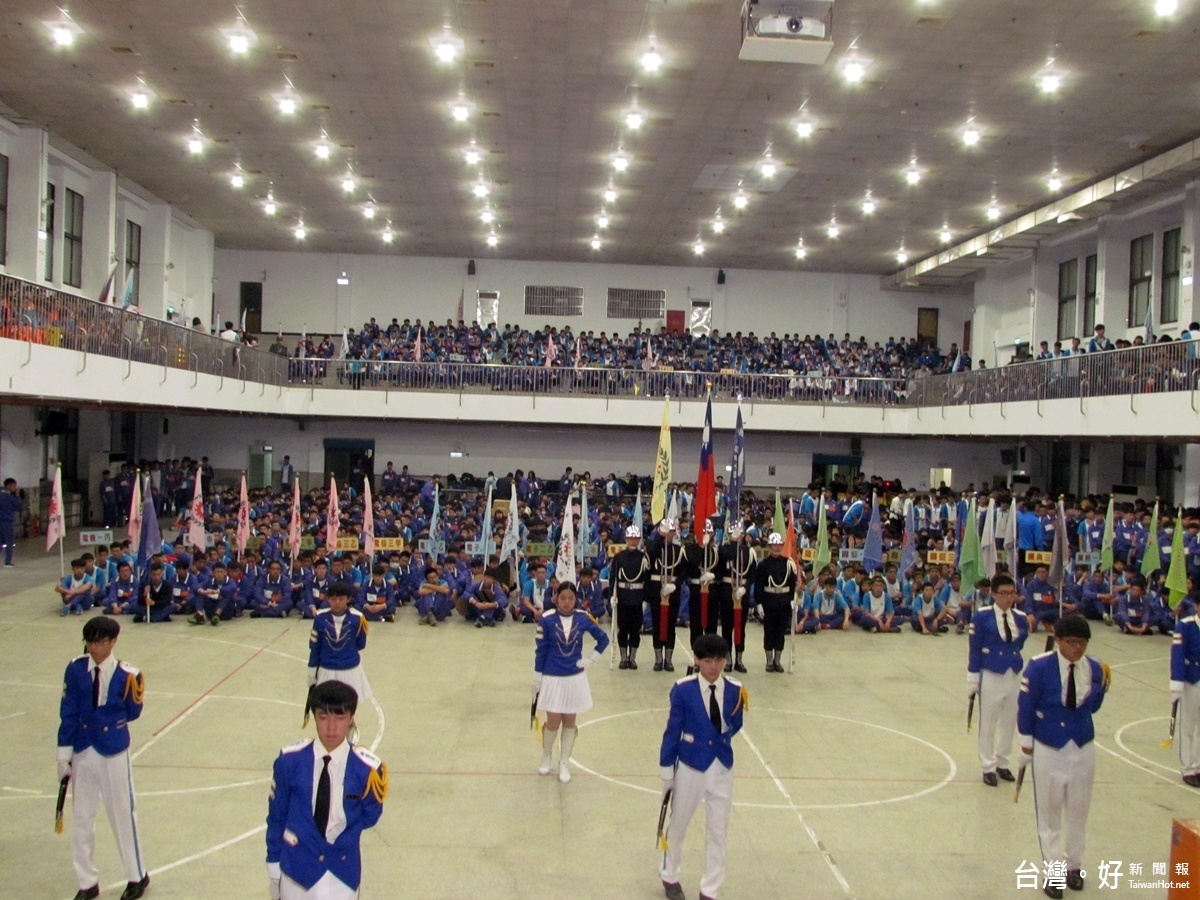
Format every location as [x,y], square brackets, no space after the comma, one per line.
[33,525]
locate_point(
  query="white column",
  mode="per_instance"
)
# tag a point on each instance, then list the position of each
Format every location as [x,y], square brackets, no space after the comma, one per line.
[1189,294]
[156,257]
[99,231]
[26,189]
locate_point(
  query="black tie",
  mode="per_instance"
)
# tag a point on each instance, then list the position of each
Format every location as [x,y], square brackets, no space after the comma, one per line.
[96,688]
[1071,702]
[714,711]
[321,808]
[1007,630]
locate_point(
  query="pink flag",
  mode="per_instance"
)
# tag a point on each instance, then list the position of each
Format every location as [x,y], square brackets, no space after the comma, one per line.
[368,521]
[417,351]
[135,512]
[195,532]
[332,518]
[56,520]
[551,352]
[243,522]
[294,524]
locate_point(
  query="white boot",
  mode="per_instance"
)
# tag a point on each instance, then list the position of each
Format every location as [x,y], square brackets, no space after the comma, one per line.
[548,738]
[564,753]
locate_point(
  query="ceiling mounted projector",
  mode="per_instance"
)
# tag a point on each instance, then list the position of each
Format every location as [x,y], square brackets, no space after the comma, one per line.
[787,31]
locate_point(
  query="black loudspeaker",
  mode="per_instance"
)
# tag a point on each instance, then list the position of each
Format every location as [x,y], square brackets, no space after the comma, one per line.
[720,276]
[470,267]
[166,425]
[54,422]
[856,446]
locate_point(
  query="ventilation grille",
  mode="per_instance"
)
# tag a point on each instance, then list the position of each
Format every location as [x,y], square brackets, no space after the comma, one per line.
[636,303]
[543,300]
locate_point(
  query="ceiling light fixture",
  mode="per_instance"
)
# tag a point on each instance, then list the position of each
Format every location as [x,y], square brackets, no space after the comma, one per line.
[912,175]
[740,200]
[945,236]
[237,180]
[602,220]
[595,242]
[698,247]
[480,189]
[1049,78]
[854,69]
[832,229]
[1166,7]
[620,161]
[634,118]
[322,149]
[349,182]
[718,224]
[446,46]
[610,195]
[472,155]
[868,206]
[63,31]
[300,231]
[141,96]
[971,136]
[652,60]
[805,128]
[269,206]
[902,256]
[388,235]
[492,240]
[487,216]
[239,37]
[801,250]
[768,166]
[1054,182]
[993,212]
[461,109]
[369,210]
[195,144]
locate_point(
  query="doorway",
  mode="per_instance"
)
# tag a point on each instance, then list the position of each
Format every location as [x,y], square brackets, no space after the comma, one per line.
[835,472]
[350,461]
[927,325]
[250,305]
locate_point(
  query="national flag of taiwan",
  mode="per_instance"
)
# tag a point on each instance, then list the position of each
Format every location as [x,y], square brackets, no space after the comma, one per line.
[705,503]
[737,470]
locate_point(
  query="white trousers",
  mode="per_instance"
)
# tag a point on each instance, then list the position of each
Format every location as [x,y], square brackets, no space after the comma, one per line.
[328,888]
[1187,730]
[997,718]
[97,779]
[715,788]
[1062,794]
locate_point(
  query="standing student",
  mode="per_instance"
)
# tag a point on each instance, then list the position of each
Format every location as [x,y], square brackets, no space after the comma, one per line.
[1060,691]
[560,684]
[774,590]
[101,696]
[994,664]
[629,577]
[739,562]
[696,760]
[286,473]
[1185,690]
[324,794]
[339,635]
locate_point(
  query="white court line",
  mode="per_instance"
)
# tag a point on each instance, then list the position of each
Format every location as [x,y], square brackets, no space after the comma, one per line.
[1129,762]
[11,716]
[156,738]
[24,791]
[266,649]
[1118,737]
[1138,662]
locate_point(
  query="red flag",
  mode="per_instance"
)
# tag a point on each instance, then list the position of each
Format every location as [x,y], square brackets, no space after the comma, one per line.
[789,540]
[56,520]
[705,503]
[196,519]
[369,522]
[294,524]
[243,521]
[332,518]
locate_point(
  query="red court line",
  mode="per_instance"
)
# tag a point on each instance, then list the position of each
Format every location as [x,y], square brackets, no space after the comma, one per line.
[245,663]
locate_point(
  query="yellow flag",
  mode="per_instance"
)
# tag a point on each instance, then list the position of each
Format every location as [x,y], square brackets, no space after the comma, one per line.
[662,466]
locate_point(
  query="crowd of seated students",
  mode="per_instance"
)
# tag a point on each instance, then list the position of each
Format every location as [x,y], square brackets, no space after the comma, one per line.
[214,584]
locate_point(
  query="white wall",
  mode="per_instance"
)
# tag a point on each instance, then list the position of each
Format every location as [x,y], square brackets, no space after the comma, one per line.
[20,448]
[300,292]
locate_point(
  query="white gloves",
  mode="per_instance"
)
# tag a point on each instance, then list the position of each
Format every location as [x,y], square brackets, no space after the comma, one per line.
[739,593]
[537,682]
[64,768]
[312,676]
[588,660]
[667,590]
[667,784]
[707,577]
[1176,691]
[1026,757]
[273,889]
[973,679]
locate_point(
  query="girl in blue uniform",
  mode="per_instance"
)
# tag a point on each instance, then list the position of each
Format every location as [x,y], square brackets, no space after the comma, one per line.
[560,684]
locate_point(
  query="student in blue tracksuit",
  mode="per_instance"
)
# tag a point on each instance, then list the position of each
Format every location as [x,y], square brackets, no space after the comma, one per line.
[996,636]
[696,760]
[377,598]
[217,599]
[1185,690]
[324,794]
[339,635]
[1060,691]
[486,600]
[101,696]
[560,684]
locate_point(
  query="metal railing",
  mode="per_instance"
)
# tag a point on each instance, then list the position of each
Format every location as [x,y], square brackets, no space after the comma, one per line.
[1148,369]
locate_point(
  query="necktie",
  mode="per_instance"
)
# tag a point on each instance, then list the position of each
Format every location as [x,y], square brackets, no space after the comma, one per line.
[96,688]
[714,711]
[1071,702]
[321,807]
[1007,630]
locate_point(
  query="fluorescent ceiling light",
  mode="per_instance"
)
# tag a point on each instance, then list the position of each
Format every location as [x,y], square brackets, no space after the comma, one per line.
[652,60]
[492,240]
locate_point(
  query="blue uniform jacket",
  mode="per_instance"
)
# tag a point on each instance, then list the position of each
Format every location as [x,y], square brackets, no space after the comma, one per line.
[1185,651]
[690,736]
[987,648]
[293,841]
[106,727]
[557,654]
[342,652]
[1040,709]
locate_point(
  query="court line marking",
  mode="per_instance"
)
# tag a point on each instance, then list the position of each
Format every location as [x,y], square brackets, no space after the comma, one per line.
[168,728]
[12,715]
[1119,738]
[1138,662]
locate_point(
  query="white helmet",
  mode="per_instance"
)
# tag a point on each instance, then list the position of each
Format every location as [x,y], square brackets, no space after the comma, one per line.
[633,532]
[775,538]
[736,530]
[666,526]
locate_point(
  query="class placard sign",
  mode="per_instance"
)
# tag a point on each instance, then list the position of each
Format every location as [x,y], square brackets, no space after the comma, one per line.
[614,549]
[854,554]
[1089,558]
[940,557]
[808,553]
[893,556]
[543,548]
[1039,557]
[473,548]
[92,538]
[347,543]
[389,544]
[308,542]
[437,548]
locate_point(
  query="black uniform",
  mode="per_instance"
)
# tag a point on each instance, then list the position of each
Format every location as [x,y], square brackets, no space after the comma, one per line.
[698,559]
[629,586]
[738,565]
[666,567]
[775,587]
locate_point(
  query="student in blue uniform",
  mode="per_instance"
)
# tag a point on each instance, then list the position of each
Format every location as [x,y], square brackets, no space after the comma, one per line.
[335,645]
[154,596]
[1060,691]
[273,598]
[995,639]
[486,600]
[122,591]
[1134,614]
[696,761]
[216,600]
[1041,599]
[324,794]
[560,684]
[376,598]
[75,590]
[1185,690]
[875,611]
[101,696]
[433,599]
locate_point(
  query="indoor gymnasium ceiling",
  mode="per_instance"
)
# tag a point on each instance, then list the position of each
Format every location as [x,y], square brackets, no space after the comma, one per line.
[547,86]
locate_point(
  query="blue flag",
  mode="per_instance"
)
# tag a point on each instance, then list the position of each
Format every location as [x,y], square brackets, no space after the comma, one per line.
[151,540]
[873,548]
[908,550]
[737,470]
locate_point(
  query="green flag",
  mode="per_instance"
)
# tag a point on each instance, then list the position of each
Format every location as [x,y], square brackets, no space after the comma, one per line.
[778,526]
[1151,561]
[970,555]
[1177,573]
[822,556]
[1106,545]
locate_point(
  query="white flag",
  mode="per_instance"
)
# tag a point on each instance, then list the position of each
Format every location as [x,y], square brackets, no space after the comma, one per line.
[135,513]
[564,565]
[56,520]
[195,529]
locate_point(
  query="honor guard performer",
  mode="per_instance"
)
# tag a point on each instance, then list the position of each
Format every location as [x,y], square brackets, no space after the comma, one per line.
[338,637]
[560,684]
[1185,690]
[774,590]
[630,580]
[101,696]
[696,760]
[324,794]
[1060,691]
[703,565]
[666,567]
[737,578]
[994,664]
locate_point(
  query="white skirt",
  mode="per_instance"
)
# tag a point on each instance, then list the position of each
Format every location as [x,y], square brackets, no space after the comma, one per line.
[355,677]
[565,694]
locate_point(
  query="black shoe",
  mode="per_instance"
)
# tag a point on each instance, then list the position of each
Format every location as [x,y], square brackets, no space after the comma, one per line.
[1005,775]
[633,663]
[255,614]
[673,890]
[1052,891]
[658,665]
[738,667]
[1075,879]
[668,667]
[135,889]
[624,664]
[1192,780]
[728,666]
[89,893]
[989,778]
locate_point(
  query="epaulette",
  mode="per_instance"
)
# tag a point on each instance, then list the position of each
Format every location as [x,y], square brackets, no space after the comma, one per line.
[320,612]
[686,678]
[131,669]
[1044,655]
[135,684]
[1191,618]
[733,681]
[295,745]
[743,702]
[368,757]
